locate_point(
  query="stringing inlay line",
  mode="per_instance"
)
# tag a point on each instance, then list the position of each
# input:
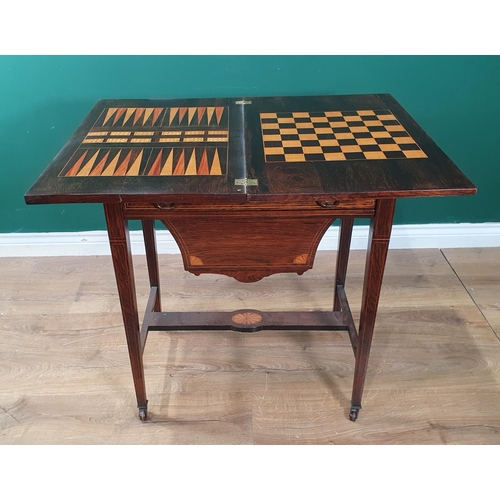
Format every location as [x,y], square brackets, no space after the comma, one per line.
[131,136]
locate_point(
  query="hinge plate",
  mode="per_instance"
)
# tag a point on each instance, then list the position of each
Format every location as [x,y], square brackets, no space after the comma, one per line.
[246,182]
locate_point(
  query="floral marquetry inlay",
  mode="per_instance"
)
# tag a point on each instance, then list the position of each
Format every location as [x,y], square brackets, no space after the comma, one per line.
[301,259]
[195,261]
[247,318]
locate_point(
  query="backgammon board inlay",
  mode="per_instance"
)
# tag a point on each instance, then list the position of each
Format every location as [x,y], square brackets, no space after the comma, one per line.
[153,141]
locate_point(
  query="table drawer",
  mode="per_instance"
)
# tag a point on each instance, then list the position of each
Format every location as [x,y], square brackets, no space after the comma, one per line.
[321,205]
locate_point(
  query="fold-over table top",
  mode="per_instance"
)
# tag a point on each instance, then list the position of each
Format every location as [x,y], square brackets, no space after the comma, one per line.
[239,149]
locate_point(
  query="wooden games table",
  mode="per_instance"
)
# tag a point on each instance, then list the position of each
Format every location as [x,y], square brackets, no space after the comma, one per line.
[247,187]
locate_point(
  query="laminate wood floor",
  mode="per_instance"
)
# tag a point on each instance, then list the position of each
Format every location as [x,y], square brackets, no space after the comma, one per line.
[433,377]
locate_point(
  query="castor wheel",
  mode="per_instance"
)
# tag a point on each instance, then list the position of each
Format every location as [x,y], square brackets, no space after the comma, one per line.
[353,415]
[143,413]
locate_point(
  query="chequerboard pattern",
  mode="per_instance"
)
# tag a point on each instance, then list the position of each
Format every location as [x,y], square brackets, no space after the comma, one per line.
[336,136]
[153,142]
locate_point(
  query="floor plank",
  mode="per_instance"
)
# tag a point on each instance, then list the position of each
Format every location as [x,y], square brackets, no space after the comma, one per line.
[433,377]
[479,271]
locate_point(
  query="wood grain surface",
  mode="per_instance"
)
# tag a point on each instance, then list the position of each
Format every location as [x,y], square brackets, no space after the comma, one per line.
[479,271]
[433,375]
[117,153]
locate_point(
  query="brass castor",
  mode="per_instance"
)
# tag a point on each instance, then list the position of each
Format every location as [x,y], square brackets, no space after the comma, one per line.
[353,414]
[143,413]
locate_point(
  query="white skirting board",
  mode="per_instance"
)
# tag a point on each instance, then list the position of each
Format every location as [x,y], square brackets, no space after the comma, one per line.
[403,236]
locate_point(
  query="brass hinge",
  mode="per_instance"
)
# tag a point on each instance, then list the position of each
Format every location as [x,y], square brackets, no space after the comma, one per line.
[246,182]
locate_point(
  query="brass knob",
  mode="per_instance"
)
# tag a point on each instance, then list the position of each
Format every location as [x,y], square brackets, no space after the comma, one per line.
[327,204]
[164,206]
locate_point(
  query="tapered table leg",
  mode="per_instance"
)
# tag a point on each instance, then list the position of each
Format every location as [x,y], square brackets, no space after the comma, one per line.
[119,241]
[346,224]
[378,245]
[148,230]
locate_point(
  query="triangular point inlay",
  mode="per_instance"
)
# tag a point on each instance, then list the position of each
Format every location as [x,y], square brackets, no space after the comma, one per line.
[134,169]
[118,115]
[191,113]
[203,168]
[182,113]
[147,114]
[110,169]
[74,169]
[112,164]
[156,114]
[201,112]
[210,113]
[219,111]
[167,166]
[86,170]
[156,167]
[172,113]
[128,114]
[216,169]
[138,113]
[191,168]
[109,114]
[179,166]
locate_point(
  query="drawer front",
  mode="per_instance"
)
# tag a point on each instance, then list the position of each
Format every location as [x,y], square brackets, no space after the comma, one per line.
[361,207]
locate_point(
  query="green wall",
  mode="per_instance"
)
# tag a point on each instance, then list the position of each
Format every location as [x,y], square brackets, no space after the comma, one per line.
[456,99]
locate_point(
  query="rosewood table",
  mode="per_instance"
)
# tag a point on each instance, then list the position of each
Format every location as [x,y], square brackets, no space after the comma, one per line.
[247,187]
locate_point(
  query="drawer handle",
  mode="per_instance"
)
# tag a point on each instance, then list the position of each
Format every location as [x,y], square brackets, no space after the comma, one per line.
[164,206]
[328,204]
